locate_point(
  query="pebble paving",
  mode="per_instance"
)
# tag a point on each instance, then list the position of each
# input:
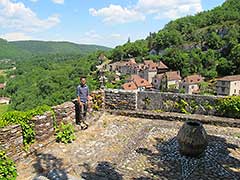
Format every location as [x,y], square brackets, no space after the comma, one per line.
[118,147]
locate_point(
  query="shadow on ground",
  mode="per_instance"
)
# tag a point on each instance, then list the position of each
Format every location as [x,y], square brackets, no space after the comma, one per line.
[103,171]
[49,166]
[167,163]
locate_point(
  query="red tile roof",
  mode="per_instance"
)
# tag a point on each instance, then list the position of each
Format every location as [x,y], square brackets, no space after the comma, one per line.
[230,78]
[173,75]
[129,86]
[193,79]
[140,82]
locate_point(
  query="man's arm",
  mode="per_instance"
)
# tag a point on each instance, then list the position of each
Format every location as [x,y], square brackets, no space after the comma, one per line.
[78,95]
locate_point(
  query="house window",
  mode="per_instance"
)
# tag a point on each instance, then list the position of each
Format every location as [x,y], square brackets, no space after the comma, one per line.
[192,87]
[184,87]
[155,81]
[223,89]
[223,83]
[235,90]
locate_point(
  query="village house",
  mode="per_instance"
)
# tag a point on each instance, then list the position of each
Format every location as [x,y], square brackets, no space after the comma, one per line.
[190,84]
[150,69]
[136,82]
[4,100]
[168,80]
[2,86]
[125,67]
[228,85]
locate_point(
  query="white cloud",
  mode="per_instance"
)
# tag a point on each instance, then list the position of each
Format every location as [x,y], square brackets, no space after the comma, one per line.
[16,16]
[15,36]
[116,36]
[172,9]
[110,40]
[116,14]
[58,1]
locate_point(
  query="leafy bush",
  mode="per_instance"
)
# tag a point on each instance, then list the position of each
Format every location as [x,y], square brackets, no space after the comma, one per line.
[65,133]
[229,106]
[182,106]
[97,101]
[7,167]
[23,118]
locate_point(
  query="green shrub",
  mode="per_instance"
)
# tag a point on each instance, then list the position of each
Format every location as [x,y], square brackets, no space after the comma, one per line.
[8,169]
[182,106]
[23,118]
[97,101]
[229,106]
[65,133]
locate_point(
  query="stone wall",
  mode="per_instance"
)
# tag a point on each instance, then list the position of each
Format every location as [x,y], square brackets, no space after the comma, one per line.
[160,101]
[11,140]
[174,102]
[65,112]
[43,126]
[120,99]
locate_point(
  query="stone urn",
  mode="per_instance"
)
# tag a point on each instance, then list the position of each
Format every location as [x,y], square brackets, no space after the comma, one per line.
[192,139]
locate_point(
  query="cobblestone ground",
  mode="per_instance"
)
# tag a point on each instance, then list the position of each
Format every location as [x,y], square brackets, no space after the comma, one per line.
[118,147]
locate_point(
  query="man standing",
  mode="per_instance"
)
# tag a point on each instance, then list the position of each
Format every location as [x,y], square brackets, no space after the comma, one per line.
[82,94]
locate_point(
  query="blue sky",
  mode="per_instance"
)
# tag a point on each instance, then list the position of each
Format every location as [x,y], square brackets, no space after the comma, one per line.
[102,22]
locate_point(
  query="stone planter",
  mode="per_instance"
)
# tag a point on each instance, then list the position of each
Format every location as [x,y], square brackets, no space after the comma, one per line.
[192,139]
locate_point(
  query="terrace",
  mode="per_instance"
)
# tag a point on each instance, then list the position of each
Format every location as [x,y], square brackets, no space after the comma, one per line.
[123,147]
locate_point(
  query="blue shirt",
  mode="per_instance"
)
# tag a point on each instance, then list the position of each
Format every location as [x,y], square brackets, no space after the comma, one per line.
[83,92]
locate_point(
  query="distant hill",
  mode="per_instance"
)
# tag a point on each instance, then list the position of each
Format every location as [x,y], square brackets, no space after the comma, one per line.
[51,47]
[207,43]
[19,49]
[7,50]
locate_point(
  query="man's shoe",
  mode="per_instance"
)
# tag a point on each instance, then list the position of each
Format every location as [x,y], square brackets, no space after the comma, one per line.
[84,126]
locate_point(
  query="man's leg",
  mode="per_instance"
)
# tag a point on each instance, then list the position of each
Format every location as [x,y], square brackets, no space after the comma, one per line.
[78,113]
[84,116]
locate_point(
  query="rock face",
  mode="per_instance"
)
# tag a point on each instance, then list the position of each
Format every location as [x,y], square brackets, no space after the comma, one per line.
[192,139]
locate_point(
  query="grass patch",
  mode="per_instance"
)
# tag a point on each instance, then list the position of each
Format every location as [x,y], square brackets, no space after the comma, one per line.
[3,108]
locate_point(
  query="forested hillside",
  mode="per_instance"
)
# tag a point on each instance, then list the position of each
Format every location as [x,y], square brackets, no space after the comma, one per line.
[49,80]
[7,50]
[51,47]
[207,43]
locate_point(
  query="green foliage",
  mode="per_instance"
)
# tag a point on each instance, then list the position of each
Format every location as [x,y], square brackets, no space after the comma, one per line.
[23,118]
[147,102]
[2,79]
[182,106]
[97,100]
[8,169]
[4,108]
[65,133]
[229,106]
[49,80]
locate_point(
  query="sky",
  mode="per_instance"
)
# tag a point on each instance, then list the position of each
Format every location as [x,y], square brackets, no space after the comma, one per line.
[101,22]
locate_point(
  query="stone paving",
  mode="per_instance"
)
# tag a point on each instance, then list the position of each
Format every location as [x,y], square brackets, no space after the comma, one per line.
[119,147]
